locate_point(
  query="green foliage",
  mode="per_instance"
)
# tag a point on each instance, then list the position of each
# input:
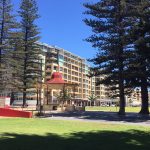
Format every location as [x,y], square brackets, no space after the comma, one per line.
[92,97]
[140,38]
[112,109]
[110,36]
[8,35]
[30,50]
[121,35]
[64,96]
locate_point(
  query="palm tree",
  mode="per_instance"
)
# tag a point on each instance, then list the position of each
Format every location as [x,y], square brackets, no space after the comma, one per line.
[92,98]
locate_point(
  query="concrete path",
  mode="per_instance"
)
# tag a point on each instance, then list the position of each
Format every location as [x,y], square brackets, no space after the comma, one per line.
[99,116]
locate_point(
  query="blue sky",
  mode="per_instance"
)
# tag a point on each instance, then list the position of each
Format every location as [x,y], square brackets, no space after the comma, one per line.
[61,25]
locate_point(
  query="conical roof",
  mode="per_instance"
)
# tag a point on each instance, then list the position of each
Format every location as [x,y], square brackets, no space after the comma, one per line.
[56,79]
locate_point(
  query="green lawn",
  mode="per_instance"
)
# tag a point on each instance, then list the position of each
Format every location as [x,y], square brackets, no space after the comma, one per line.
[112,109]
[40,134]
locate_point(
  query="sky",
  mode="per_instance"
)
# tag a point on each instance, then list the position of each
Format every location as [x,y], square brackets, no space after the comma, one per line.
[61,24]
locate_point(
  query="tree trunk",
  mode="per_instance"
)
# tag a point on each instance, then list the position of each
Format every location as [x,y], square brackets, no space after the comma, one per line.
[62,106]
[121,33]
[122,99]
[2,32]
[144,97]
[121,87]
[121,90]
[25,68]
[37,102]
[12,98]
[24,97]
[1,43]
[25,88]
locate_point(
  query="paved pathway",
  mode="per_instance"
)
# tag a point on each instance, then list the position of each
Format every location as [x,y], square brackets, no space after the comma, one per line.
[106,117]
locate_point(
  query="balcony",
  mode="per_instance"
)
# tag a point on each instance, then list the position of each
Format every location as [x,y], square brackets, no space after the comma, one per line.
[53,51]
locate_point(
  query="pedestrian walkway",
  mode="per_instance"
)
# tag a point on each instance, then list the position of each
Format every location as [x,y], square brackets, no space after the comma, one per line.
[105,117]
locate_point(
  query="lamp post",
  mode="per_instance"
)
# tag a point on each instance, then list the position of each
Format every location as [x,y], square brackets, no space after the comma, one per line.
[39,87]
[37,92]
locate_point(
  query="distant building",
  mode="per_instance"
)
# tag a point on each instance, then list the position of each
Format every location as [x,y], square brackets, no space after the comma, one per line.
[74,69]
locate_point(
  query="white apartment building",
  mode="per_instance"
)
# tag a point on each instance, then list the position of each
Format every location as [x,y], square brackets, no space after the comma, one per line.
[74,70]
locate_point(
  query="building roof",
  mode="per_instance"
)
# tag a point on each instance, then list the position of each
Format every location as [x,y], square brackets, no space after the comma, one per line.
[56,79]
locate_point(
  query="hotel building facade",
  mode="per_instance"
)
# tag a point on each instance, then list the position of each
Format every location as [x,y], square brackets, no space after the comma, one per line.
[74,69]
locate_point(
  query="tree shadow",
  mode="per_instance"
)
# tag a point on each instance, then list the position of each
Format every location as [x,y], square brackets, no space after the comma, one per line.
[107,116]
[98,140]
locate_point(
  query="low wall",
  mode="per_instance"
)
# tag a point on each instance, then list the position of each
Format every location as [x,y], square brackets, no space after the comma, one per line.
[14,113]
[75,108]
[80,108]
[70,108]
[48,107]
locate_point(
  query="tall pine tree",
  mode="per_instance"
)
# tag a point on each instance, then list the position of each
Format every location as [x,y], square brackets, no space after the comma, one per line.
[110,26]
[8,28]
[30,35]
[140,38]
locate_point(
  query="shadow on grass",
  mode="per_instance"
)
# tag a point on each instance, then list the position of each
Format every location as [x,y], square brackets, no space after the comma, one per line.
[107,116]
[101,140]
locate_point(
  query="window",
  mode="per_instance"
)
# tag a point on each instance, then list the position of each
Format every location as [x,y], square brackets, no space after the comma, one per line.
[48,73]
[48,67]
[61,69]
[55,67]
[61,57]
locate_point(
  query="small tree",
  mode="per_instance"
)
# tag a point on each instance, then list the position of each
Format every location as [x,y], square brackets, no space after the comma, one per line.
[92,98]
[64,96]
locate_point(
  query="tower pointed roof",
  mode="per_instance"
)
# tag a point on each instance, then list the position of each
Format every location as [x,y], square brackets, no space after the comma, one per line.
[56,79]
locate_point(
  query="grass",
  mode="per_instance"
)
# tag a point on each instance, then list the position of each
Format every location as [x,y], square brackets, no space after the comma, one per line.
[42,134]
[112,109]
